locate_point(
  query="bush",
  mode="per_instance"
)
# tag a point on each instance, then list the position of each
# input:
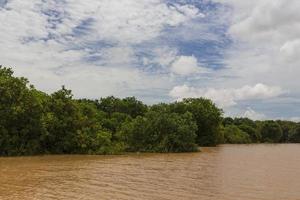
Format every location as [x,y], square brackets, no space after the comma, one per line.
[254,134]
[207,117]
[271,132]
[160,132]
[294,135]
[233,135]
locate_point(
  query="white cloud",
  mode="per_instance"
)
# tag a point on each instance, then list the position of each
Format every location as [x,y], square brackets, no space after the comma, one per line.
[259,91]
[251,114]
[165,56]
[127,21]
[39,40]
[187,65]
[170,60]
[110,81]
[265,48]
[266,42]
[117,56]
[101,47]
[227,97]
[269,20]
[131,21]
[291,50]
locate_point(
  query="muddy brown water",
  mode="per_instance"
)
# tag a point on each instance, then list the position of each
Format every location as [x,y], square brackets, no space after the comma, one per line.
[228,172]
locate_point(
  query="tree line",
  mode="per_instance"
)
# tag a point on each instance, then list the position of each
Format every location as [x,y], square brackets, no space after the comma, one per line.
[33,122]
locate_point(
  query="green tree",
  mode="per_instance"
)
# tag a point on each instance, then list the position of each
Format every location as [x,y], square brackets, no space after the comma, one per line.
[133,107]
[227,121]
[74,127]
[207,117]
[294,135]
[130,106]
[271,131]
[115,121]
[234,135]
[287,129]
[160,132]
[244,121]
[252,132]
[20,116]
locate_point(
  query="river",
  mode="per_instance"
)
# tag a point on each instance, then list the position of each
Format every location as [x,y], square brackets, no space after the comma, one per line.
[227,172]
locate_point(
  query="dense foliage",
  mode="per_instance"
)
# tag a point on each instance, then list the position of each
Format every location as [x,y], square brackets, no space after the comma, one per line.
[271,132]
[261,131]
[160,132]
[207,117]
[33,122]
[294,135]
[234,135]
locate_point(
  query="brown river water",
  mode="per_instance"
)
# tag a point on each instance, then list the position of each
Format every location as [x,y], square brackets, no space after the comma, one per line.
[228,172]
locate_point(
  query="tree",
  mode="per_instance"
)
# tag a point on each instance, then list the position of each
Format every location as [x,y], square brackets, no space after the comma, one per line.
[234,135]
[244,121]
[20,116]
[160,132]
[74,127]
[254,134]
[227,121]
[130,106]
[115,121]
[294,135]
[271,131]
[287,128]
[133,107]
[33,122]
[207,117]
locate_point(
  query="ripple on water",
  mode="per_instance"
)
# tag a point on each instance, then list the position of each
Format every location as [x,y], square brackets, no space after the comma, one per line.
[246,172]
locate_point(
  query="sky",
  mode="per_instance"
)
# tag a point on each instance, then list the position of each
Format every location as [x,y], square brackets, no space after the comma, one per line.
[241,54]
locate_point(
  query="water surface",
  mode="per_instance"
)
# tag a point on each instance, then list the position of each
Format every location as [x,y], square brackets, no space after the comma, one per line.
[228,172]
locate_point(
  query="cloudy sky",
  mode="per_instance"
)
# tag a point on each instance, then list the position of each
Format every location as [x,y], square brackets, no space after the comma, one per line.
[244,55]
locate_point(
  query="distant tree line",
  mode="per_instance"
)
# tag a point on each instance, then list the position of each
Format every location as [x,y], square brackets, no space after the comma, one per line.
[33,122]
[244,130]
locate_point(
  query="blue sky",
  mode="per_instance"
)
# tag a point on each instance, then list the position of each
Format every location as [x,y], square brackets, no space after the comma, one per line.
[243,55]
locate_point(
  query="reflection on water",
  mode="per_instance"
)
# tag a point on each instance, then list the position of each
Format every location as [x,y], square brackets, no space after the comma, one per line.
[229,172]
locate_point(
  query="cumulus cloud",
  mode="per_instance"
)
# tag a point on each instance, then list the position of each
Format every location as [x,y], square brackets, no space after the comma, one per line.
[134,21]
[187,65]
[269,19]
[251,114]
[133,47]
[91,46]
[266,42]
[265,48]
[227,97]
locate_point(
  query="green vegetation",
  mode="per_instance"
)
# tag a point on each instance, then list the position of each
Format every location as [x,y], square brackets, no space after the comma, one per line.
[294,135]
[234,135]
[271,132]
[207,117]
[160,132]
[33,122]
[259,131]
